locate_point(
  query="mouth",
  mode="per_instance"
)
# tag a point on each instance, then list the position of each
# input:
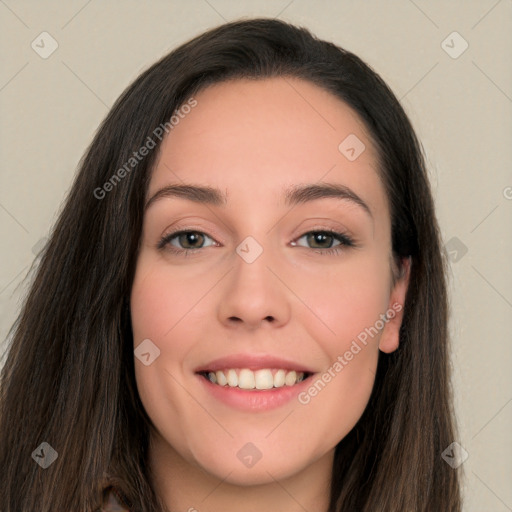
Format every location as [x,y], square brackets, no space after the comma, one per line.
[254,390]
[263,379]
[253,382]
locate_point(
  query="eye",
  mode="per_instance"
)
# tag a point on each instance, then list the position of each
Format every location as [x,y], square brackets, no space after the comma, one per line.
[325,239]
[189,241]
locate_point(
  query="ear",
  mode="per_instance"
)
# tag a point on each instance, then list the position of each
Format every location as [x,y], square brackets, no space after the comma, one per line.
[390,338]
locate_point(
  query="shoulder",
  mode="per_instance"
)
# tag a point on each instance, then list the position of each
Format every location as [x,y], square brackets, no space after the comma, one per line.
[112,501]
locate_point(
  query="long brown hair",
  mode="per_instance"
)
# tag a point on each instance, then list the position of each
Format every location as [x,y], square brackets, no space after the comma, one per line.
[69,376]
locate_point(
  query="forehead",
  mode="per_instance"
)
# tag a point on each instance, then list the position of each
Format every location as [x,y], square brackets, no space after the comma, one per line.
[253,138]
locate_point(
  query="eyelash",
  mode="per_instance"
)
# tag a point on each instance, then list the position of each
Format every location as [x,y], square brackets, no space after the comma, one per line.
[345,242]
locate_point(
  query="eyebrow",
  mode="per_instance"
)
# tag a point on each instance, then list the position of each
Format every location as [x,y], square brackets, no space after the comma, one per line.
[297,194]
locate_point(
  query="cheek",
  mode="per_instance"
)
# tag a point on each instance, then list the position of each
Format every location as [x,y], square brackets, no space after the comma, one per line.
[160,300]
[346,324]
[162,311]
[337,398]
[346,299]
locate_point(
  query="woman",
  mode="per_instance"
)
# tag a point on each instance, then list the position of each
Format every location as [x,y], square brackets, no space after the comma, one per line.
[187,345]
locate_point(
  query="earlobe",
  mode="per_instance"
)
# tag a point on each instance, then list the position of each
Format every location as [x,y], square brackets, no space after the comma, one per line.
[390,338]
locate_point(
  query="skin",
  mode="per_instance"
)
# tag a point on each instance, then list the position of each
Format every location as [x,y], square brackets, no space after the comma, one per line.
[252,139]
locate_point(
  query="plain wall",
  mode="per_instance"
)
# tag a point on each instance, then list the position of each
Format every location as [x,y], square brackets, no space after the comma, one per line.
[460,107]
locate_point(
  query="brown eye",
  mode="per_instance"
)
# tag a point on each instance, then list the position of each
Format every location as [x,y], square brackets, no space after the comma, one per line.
[185,240]
[323,239]
[320,237]
[190,239]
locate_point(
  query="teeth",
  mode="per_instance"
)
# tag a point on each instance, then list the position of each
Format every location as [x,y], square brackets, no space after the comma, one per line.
[259,379]
[232,378]
[290,378]
[263,379]
[246,379]
[220,378]
[279,378]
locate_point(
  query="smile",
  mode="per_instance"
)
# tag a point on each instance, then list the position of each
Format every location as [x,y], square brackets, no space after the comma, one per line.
[262,379]
[253,382]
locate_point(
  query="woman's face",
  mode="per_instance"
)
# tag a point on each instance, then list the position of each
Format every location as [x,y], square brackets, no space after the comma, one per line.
[263,287]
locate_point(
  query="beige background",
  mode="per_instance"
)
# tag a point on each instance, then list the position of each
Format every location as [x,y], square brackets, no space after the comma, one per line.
[461,108]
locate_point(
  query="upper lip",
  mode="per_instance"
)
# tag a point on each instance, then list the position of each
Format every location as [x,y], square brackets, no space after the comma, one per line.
[252,362]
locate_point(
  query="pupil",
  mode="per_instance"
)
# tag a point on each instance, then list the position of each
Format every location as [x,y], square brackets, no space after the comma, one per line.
[190,238]
[320,237]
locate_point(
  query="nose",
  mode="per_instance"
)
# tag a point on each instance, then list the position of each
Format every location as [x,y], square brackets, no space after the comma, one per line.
[254,294]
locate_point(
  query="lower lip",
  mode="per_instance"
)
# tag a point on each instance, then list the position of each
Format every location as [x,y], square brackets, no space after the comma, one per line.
[254,400]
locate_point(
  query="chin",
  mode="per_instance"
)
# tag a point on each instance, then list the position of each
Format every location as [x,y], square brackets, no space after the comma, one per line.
[264,471]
